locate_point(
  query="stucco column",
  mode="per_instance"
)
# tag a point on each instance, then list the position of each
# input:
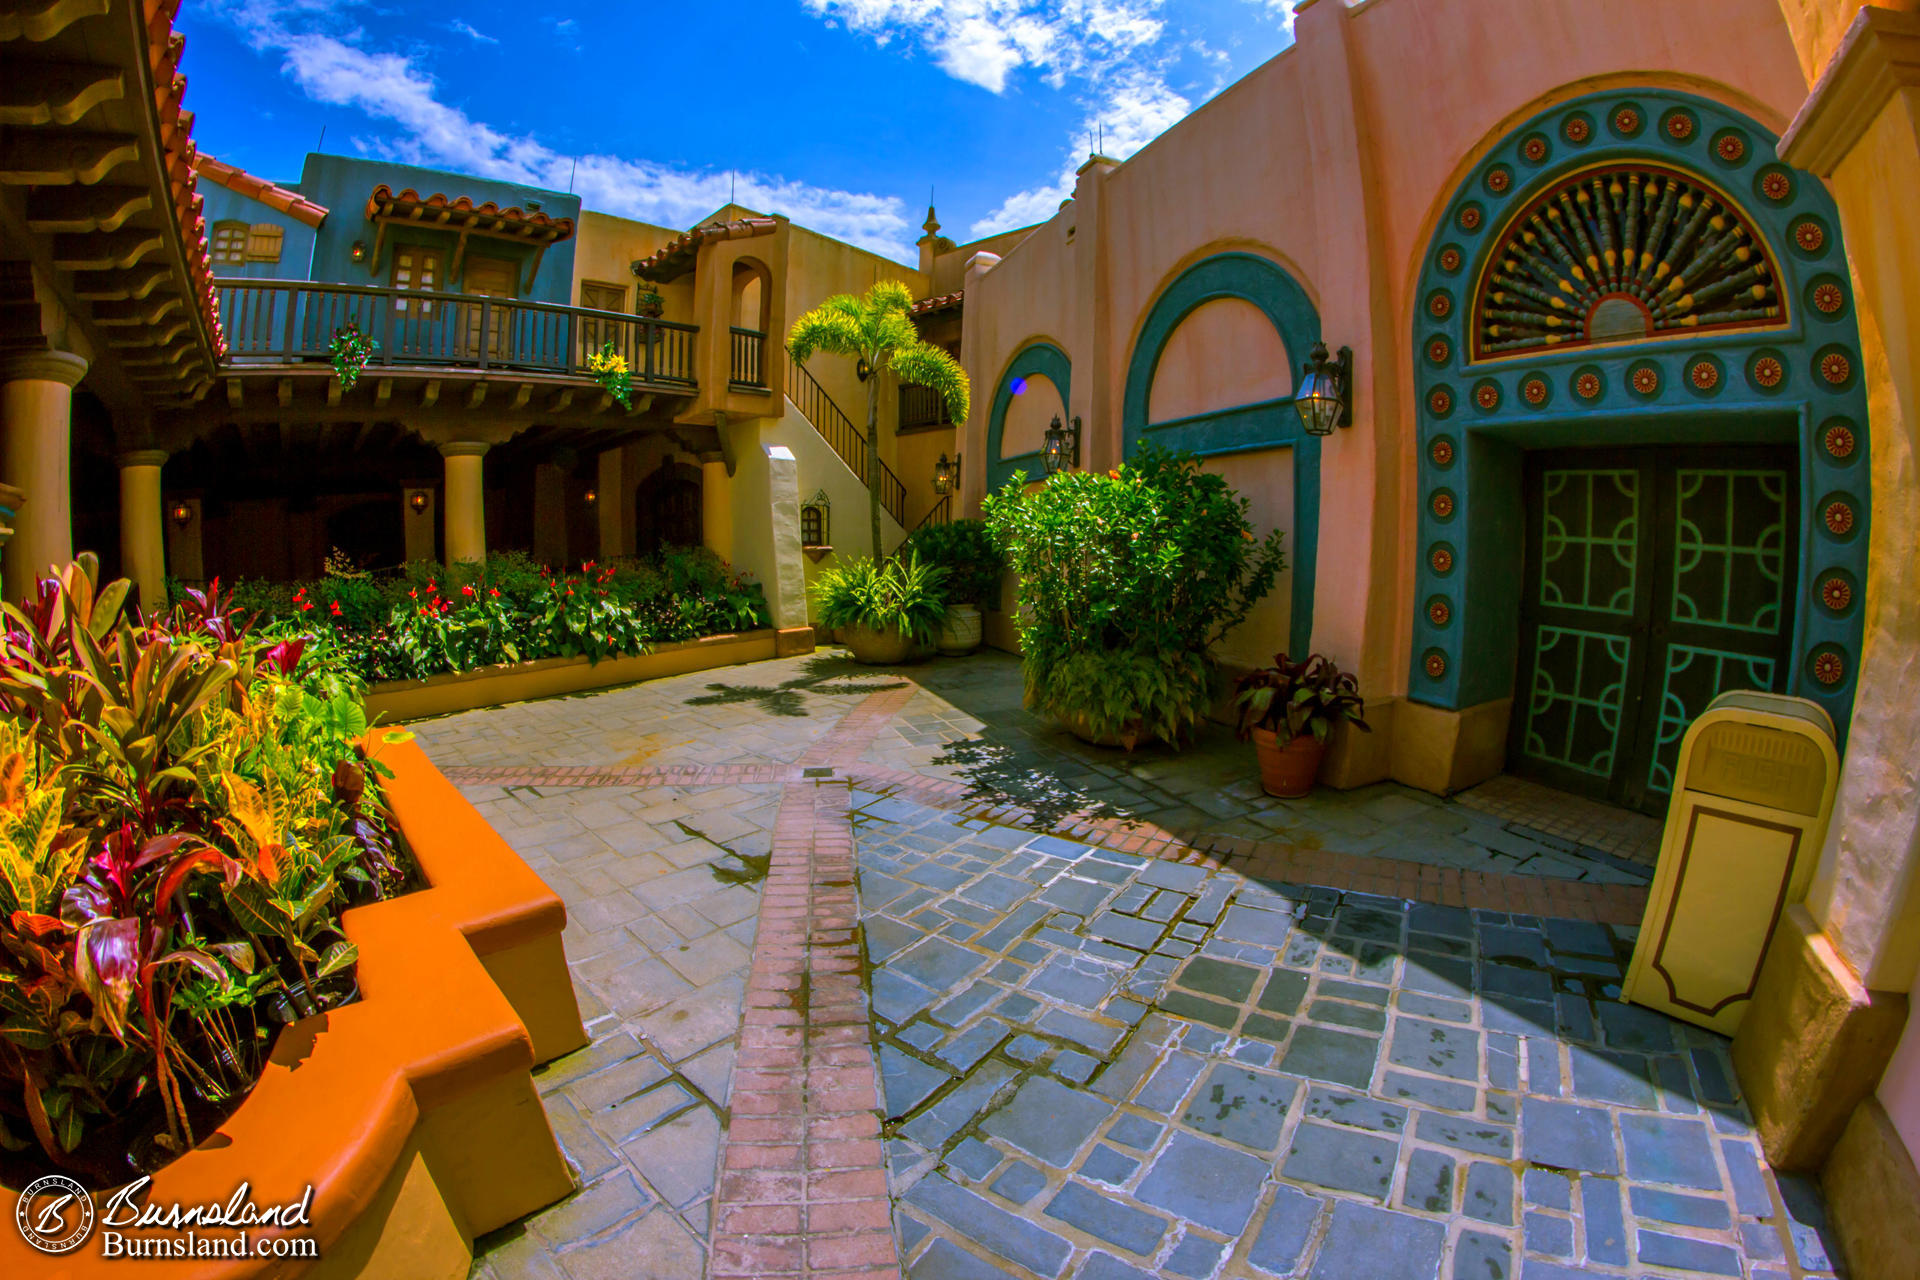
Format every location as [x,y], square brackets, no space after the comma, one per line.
[716,506]
[466,514]
[36,446]
[143,553]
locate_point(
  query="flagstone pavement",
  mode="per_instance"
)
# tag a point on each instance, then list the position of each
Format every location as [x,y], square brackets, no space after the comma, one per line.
[885,976]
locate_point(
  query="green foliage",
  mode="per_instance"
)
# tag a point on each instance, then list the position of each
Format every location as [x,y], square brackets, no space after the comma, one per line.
[1291,698]
[186,807]
[966,551]
[902,594]
[421,622]
[1144,569]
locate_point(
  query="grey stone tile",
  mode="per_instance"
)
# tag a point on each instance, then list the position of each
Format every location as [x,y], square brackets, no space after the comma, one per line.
[1561,1135]
[1606,1230]
[1108,1219]
[1548,1233]
[1204,1182]
[1019,1183]
[1658,1249]
[953,1112]
[974,1158]
[1284,1232]
[1683,1210]
[1341,1159]
[1247,1107]
[1604,1076]
[945,1260]
[937,963]
[978,1218]
[1437,1048]
[1357,1112]
[1340,1057]
[1429,1182]
[1445,1094]
[1048,1120]
[1378,1244]
[1669,1150]
[1479,1256]
[1484,1137]
[1488,1193]
[1196,1258]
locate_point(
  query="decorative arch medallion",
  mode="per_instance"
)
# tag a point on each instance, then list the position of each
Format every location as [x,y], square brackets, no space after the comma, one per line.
[1049,362]
[1269,424]
[1634,269]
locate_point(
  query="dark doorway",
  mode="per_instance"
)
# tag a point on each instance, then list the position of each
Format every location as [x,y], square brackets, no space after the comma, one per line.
[1655,580]
[667,509]
[371,532]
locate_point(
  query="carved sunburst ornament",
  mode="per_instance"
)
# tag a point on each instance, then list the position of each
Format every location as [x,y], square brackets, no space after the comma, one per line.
[1620,255]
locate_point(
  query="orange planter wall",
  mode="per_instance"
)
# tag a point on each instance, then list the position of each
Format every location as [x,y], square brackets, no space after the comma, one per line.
[412,1113]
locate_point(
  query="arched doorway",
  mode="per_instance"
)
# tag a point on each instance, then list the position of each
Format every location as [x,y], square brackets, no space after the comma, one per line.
[1641,438]
[667,509]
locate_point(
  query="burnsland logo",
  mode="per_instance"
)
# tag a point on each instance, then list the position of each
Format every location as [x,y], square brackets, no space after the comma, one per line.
[54,1214]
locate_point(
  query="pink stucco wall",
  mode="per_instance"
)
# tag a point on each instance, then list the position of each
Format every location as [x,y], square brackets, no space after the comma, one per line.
[1334,160]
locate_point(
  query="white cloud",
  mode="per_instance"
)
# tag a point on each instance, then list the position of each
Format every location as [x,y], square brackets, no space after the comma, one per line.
[326,58]
[467,30]
[983,41]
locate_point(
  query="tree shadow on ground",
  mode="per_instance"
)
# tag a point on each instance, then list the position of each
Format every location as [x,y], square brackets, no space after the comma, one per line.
[825,677]
[1005,767]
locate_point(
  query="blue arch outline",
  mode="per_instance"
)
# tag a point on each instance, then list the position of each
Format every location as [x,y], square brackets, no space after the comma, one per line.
[1269,424]
[1051,363]
[1478,642]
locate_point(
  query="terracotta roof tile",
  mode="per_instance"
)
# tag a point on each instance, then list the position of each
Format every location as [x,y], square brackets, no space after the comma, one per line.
[675,258]
[939,302]
[291,203]
[385,202]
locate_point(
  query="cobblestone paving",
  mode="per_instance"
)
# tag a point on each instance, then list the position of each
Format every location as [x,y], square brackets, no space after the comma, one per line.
[1105,1067]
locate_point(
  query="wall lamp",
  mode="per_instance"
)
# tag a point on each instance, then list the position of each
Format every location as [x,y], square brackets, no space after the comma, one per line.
[1325,398]
[1062,448]
[418,500]
[181,514]
[946,475]
[359,251]
[590,497]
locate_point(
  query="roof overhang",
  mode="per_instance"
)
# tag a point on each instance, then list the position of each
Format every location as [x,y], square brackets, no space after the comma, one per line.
[675,258]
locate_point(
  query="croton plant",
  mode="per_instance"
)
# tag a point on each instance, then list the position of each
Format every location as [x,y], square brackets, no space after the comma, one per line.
[185,811]
[1289,699]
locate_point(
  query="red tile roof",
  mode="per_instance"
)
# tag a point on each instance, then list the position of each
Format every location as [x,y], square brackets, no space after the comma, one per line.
[939,302]
[538,227]
[291,203]
[175,128]
[675,257]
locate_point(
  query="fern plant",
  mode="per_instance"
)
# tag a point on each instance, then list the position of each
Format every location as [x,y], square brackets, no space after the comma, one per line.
[906,595]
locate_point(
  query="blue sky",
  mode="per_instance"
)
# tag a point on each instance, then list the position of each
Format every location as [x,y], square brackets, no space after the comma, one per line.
[837,113]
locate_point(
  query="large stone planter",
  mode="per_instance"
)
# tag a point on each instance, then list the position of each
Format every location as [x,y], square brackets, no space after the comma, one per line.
[411,1114]
[879,648]
[960,632]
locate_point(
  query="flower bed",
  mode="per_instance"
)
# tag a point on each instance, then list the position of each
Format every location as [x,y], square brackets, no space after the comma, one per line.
[427,621]
[186,811]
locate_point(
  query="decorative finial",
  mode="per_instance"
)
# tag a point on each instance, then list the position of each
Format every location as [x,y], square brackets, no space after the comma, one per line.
[932,225]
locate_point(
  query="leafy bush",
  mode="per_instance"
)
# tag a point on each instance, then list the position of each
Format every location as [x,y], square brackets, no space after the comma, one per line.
[966,551]
[902,594]
[425,621]
[1293,698]
[1127,578]
[186,808]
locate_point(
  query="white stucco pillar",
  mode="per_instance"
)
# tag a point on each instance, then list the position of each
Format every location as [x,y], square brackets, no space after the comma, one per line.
[466,502]
[143,553]
[36,447]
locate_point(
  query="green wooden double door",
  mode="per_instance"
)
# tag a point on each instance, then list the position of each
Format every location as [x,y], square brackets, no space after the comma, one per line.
[1655,579]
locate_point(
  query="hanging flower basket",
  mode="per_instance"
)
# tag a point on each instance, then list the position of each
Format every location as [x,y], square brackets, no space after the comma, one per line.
[350,352]
[650,304]
[609,369]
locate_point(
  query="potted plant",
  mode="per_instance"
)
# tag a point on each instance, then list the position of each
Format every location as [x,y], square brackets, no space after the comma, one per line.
[885,612]
[965,551]
[1127,579]
[650,304]
[1288,709]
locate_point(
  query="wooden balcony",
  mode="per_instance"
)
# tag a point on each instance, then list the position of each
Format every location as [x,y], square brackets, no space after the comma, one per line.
[922,408]
[293,322]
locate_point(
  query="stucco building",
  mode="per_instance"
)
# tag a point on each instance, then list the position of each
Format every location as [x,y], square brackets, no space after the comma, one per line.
[1627,290]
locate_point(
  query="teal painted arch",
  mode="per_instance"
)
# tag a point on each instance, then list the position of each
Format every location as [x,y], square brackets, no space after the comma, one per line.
[1051,363]
[1269,424]
[1796,380]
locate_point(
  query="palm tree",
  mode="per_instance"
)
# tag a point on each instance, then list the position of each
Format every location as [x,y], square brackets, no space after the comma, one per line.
[876,331]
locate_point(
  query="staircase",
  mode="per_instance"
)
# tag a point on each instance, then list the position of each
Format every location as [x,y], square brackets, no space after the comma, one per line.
[941,513]
[817,407]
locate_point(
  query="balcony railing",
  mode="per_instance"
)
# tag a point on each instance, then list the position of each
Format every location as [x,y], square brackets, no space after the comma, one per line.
[748,348]
[922,407]
[294,321]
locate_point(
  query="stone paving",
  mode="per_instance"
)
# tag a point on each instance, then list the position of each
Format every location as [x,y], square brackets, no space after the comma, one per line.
[1091,1064]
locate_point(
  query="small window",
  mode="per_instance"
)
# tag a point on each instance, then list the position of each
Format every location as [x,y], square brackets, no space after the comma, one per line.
[416,269]
[229,242]
[813,521]
[263,242]
[603,297]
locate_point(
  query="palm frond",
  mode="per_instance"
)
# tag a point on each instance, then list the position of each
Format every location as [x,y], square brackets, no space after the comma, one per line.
[926,365]
[829,328]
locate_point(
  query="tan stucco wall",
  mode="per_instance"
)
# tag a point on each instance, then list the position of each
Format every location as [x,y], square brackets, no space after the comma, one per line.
[1265,479]
[1029,414]
[604,248]
[1899,1090]
[1387,106]
[819,468]
[914,456]
[1225,353]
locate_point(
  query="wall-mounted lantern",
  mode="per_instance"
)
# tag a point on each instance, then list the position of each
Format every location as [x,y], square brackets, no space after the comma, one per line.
[1062,447]
[359,251]
[946,475]
[590,497]
[181,514]
[1325,398]
[419,501]
[862,370]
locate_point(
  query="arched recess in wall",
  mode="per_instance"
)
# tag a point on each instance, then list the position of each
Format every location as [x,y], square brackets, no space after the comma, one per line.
[1633,272]
[752,292]
[1266,424]
[1036,358]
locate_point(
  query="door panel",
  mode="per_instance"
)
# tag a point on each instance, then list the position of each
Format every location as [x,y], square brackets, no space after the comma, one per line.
[491,278]
[1656,579]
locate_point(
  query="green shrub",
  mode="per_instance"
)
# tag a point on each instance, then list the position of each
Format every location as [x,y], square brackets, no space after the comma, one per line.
[902,594]
[966,551]
[1127,578]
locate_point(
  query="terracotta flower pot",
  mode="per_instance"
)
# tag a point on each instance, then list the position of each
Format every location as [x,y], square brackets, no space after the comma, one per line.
[879,648]
[960,633]
[1287,769]
[1080,726]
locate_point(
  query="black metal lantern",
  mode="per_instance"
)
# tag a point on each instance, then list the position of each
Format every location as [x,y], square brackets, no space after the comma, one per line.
[590,497]
[418,500]
[861,369]
[1325,397]
[946,475]
[182,515]
[1062,447]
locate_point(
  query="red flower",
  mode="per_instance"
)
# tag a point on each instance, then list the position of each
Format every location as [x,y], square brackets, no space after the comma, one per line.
[336,608]
[493,591]
[305,605]
[415,595]
[465,589]
[301,594]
